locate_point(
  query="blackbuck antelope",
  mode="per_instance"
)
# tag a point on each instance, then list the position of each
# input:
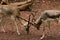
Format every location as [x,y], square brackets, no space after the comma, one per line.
[47,16]
[13,11]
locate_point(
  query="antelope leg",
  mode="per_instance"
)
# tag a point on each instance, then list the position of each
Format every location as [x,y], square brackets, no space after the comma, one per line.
[3,29]
[1,25]
[48,22]
[14,19]
[43,35]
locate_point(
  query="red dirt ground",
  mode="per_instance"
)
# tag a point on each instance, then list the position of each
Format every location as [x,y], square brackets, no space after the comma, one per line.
[38,7]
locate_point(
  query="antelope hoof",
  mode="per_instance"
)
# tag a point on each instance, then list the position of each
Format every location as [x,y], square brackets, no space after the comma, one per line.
[42,37]
[18,33]
[3,30]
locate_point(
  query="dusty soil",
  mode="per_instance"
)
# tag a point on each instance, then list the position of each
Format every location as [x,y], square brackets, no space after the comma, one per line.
[34,34]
